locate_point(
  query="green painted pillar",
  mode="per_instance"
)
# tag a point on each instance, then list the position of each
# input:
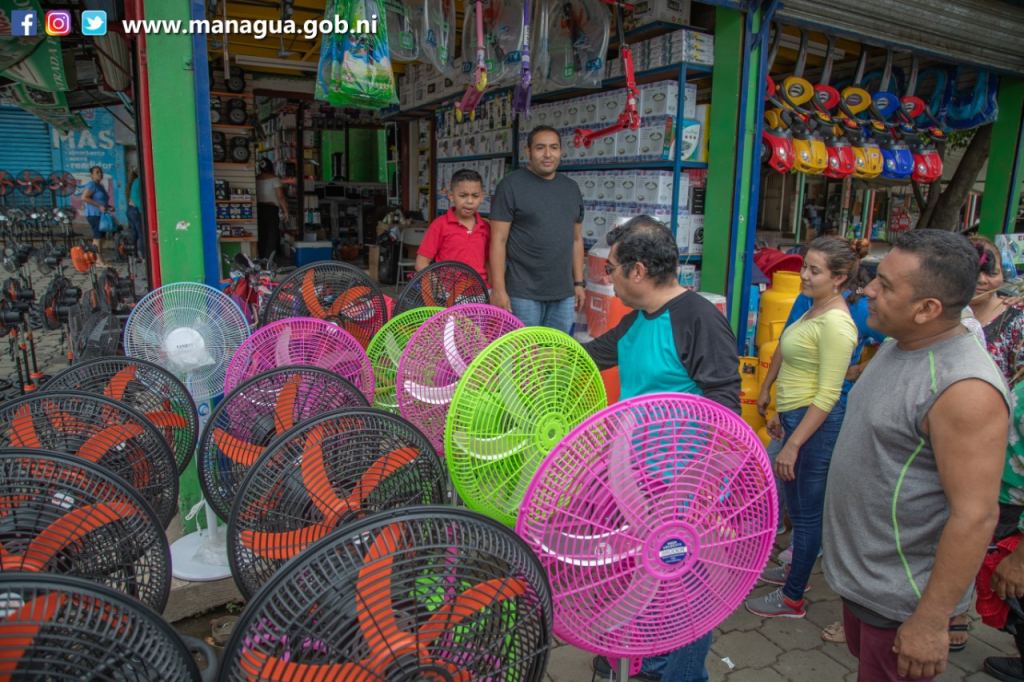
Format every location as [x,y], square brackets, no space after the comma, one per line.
[176,171]
[722,140]
[1005,161]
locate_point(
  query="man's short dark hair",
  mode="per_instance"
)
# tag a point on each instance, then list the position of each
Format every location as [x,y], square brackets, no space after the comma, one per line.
[949,267]
[466,175]
[646,240]
[95,168]
[540,129]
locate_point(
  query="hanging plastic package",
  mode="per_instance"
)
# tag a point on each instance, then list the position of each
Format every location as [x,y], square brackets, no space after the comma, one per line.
[503,41]
[576,42]
[437,35]
[403,30]
[355,67]
[975,106]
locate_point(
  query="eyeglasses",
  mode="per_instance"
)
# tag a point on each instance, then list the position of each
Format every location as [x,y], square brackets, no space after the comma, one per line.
[609,268]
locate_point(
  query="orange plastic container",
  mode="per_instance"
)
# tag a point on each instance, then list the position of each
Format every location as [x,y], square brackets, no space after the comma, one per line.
[776,303]
[610,378]
[597,258]
[604,309]
[750,388]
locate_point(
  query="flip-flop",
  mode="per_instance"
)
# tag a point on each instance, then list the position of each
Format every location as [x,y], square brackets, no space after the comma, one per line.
[834,633]
[959,628]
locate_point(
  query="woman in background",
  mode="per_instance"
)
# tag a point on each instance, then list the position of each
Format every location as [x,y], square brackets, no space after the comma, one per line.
[269,198]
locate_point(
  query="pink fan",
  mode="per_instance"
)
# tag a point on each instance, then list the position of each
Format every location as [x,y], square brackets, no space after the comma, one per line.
[654,519]
[436,358]
[302,341]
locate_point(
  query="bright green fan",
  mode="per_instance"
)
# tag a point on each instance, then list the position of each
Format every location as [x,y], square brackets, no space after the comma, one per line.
[385,351]
[515,402]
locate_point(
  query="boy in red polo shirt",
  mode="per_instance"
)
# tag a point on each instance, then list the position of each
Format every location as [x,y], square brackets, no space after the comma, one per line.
[460,234]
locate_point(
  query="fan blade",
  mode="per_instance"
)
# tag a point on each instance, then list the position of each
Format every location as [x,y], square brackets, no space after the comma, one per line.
[282,351]
[378,471]
[117,386]
[318,483]
[432,395]
[491,449]
[394,353]
[626,608]
[347,299]
[166,420]
[235,449]
[103,442]
[282,545]
[470,602]
[23,430]
[68,529]
[451,349]
[284,409]
[260,666]
[590,550]
[460,288]
[309,296]
[632,502]
[18,630]
[374,607]
[427,292]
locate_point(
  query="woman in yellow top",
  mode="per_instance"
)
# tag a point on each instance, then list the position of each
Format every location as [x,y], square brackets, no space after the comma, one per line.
[810,364]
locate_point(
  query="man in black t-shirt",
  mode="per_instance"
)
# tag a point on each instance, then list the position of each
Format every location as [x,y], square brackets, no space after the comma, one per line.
[537,238]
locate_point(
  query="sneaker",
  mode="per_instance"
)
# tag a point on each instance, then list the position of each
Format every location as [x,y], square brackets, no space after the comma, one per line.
[603,671]
[786,555]
[776,605]
[778,576]
[1005,669]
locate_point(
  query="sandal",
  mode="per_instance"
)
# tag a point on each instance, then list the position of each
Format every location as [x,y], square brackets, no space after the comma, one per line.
[834,633]
[959,627]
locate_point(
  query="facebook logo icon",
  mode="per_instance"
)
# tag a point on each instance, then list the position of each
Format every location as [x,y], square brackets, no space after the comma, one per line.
[23,23]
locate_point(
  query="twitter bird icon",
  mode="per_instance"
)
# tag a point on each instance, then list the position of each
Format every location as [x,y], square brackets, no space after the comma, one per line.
[94,23]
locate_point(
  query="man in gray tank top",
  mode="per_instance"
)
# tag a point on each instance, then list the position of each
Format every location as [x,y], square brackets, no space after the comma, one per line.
[913,487]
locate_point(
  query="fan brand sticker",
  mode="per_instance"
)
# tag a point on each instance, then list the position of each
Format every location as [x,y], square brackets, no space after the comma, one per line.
[673,552]
[10,604]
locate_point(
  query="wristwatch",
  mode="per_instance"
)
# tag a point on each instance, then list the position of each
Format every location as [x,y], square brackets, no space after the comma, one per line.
[580,284]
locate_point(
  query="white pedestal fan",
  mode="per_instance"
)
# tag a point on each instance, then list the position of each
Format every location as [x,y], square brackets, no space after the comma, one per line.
[193,331]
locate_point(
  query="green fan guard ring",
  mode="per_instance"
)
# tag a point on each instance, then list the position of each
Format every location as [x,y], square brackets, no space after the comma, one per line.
[385,365]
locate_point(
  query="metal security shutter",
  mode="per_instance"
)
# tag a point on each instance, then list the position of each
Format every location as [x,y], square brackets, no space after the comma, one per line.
[26,145]
[987,34]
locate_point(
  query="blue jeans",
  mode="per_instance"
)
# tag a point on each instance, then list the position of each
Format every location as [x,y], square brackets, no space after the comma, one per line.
[554,314]
[685,664]
[805,494]
[135,222]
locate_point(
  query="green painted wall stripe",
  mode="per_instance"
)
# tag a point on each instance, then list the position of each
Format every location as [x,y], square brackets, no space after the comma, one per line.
[999,209]
[895,526]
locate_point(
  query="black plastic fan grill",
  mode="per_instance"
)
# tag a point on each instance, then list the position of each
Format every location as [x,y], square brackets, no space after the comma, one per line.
[62,514]
[428,593]
[336,292]
[57,627]
[254,415]
[442,285]
[147,388]
[327,472]
[98,335]
[101,430]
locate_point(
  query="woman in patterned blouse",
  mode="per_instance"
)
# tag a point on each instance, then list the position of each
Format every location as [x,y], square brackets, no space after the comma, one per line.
[1003,324]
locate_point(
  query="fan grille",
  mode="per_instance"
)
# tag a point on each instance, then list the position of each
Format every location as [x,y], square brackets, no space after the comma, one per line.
[101,430]
[443,285]
[302,341]
[436,358]
[428,593]
[653,519]
[191,330]
[62,514]
[254,415]
[386,350]
[145,387]
[336,292]
[517,400]
[325,473]
[63,628]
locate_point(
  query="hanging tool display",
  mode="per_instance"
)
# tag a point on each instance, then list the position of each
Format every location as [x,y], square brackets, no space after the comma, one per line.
[630,116]
[852,101]
[897,161]
[810,155]
[921,140]
[475,90]
[776,140]
[523,92]
[841,160]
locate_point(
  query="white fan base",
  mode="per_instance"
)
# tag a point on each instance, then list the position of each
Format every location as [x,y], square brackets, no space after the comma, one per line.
[185,565]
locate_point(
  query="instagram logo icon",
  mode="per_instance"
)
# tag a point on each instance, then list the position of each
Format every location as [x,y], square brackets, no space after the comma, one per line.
[58,22]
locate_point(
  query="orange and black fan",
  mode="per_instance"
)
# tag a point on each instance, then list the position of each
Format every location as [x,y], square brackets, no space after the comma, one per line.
[442,285]
[31,183]
[62,183]
[427,593]
[61,627]
[148,388]
[7,183]
[254,415]
[337,292]
[101,430]
[62,514]
[83,259]
[327,472]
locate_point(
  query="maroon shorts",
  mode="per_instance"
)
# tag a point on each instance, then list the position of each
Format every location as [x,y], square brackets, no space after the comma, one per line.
[873,648]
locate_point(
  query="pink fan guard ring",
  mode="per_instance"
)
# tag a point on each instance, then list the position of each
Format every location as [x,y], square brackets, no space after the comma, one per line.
[302,341]
[437,356]
[654,519]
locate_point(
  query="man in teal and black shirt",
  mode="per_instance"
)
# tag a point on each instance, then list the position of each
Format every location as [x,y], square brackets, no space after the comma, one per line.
[674,341]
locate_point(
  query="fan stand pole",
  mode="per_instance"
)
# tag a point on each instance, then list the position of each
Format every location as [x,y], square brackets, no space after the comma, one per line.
[623,672]
[201,556]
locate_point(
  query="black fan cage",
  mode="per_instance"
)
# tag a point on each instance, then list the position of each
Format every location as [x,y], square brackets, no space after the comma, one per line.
[65,515]
[321,475]
[426,593]
[145,387]
[442,285]
[336,292]
[99,334]
[255,414]
[102,431]
[56,627]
